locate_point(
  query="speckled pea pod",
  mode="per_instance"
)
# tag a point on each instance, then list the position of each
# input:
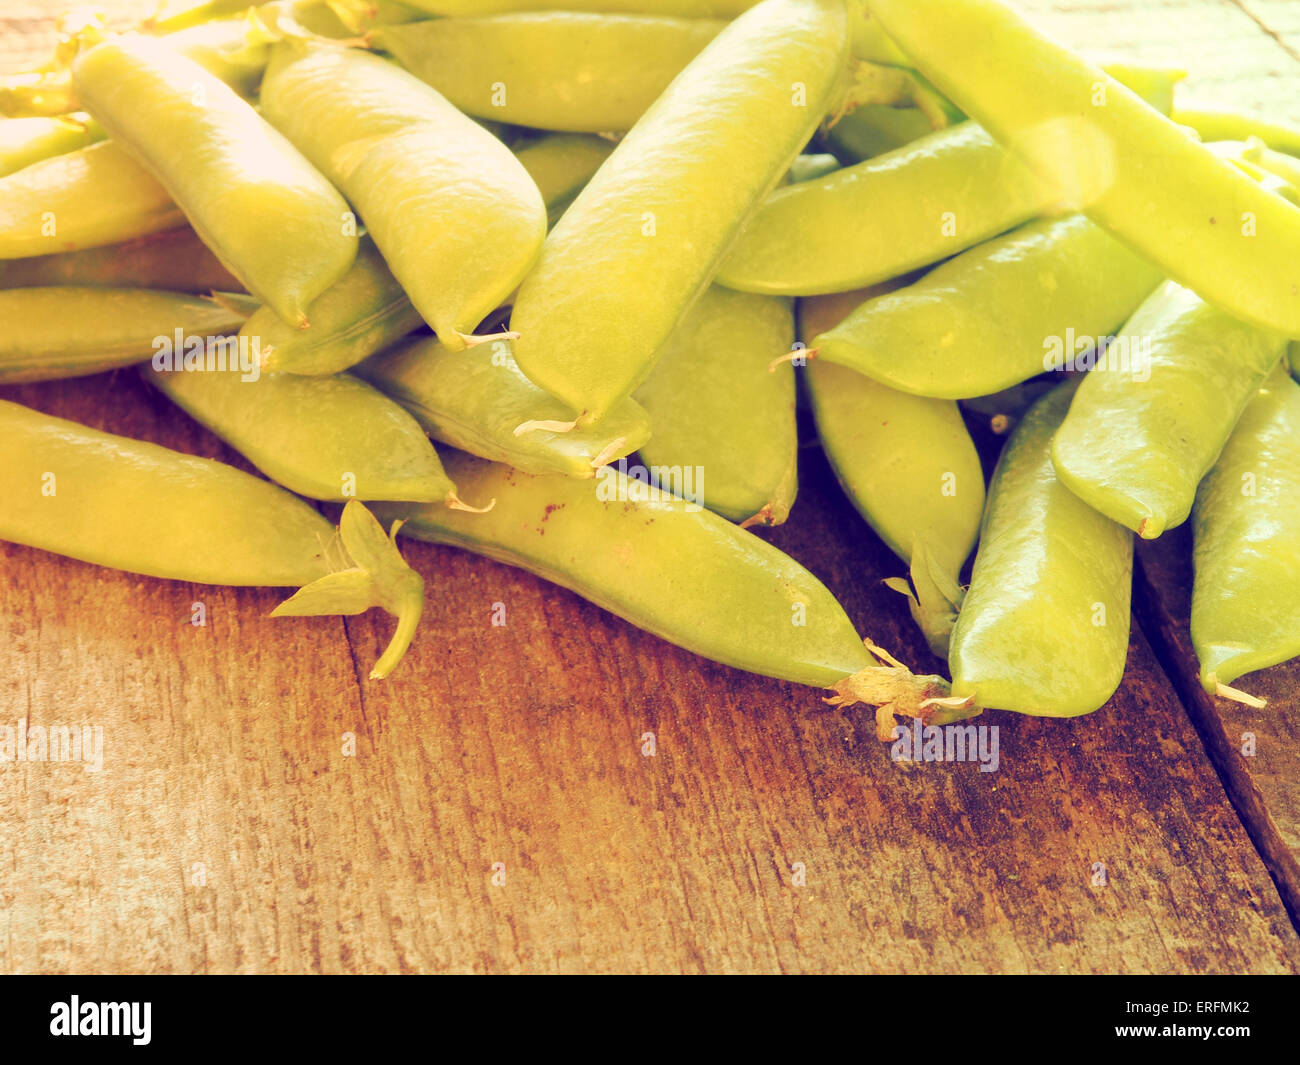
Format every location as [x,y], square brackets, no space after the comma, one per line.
[1246,591]
[175,260]
[1043,628]
[475,399]
[332,438]
[146,509]
[24,141]
[266,212]
[53,333]
[1201,220]
[656,220]
[456,217]
[1150,418]
[561,70]
[716,409]
[993,316]
[83,199]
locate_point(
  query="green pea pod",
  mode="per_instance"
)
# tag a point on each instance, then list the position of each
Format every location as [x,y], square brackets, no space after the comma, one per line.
[1246,592]
[83,199]
[1043,629]
[1197,217]
[560,164]
[332,438]
[993,316]
[1151,417]
[457,218]
[146,509]
[475,399]
[1233,126]
[810,166]
[253,183]
[235,50]
[873,130]
[717,410]
[52,333]
[175,260]
[24,141]
[656,221]
[561,70]
[923,202]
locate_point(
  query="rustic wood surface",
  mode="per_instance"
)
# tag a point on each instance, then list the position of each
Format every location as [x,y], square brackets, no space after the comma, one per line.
[499,813]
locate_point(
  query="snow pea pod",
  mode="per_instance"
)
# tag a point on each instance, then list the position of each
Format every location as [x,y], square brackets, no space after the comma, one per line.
[1043,628]
[715,408]
[252,183]
[561,70]
[83,199]
[656,221]
[175,260]
[984,320]
[474,400]
[1111,155]
[457,218]
[1151,417]
[1246,590]
[146,509]
[333,438]
[58,332]
[24,141]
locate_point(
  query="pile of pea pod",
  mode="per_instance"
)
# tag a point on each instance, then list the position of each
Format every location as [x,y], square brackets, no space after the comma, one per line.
[483,250]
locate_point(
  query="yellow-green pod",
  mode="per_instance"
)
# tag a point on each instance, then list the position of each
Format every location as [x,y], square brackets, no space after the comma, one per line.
[455,215]
[561,70]
[561,164]
[82,199]
[682,8]
[269,215]
[24,141]
[717,410]
[1234,126]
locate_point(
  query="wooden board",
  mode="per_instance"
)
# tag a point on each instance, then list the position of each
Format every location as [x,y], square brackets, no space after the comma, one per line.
[228,830]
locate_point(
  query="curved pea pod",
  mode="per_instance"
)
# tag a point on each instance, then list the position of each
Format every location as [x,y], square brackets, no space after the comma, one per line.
[332,438]
[656,221]
[1246,591]
[24,141]
[1234,126]
[82,199]
[1152,415]
[995,315]
[235,50]
[252,182]
[475,399]
[560,164]
[717,411]
[561,70]
[146,509]
[175,260]
[457,218]
[925,201]
[1043,628]
[1201,220]
[909,466]
[52,333]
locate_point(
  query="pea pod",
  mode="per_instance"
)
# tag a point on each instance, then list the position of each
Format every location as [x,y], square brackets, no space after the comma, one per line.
[656,221]
[562,70]
[1150,418]
[1233,126]
[923,202]
[1043,628]
[1246,592]
[875,129]
[717,410]
[560,164]
[457,218]
[172,112]
[83,199]
[175,260]
[1206,224]
[146,509]
[24,141]
[907,463]
[993,316]
[474,400]
[52,333]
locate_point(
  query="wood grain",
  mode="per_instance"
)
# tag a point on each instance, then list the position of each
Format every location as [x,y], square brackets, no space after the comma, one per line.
[229,832]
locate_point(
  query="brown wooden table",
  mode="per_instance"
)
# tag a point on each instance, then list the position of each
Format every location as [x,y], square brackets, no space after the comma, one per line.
[498,813]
